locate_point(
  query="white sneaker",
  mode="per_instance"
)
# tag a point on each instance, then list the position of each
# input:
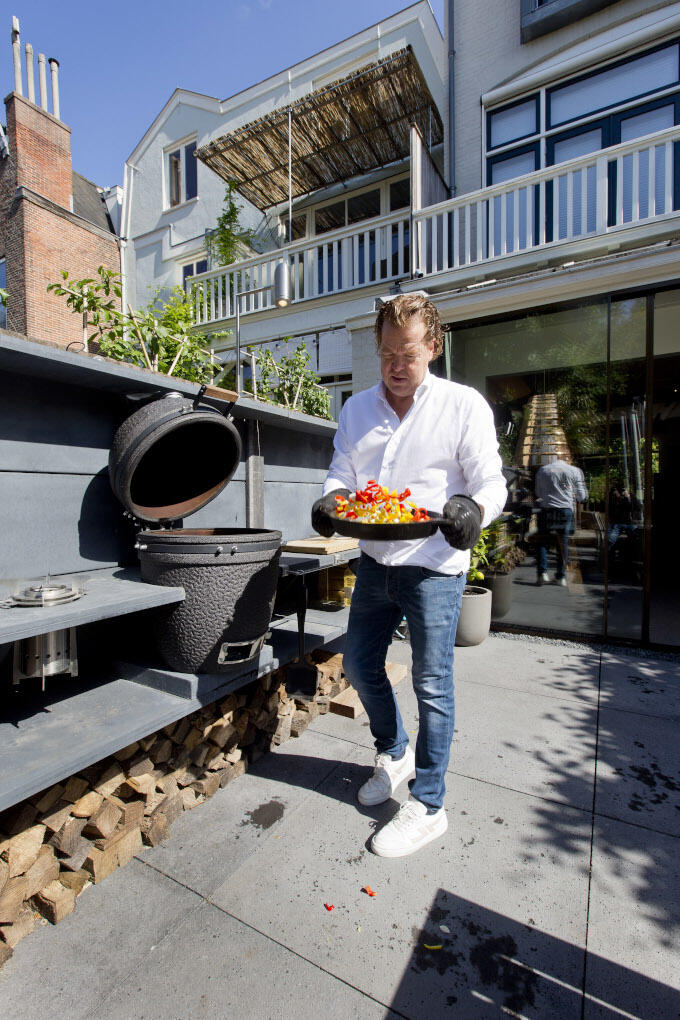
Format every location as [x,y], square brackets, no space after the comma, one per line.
[562,581]
[387,775]
[410,829]
[543,578]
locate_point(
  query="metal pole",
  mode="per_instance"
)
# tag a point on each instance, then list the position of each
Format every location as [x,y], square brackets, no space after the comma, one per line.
[238,342]
[290,176]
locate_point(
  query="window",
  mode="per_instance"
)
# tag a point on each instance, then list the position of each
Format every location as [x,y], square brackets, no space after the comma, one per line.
[181,173]
[400,194]
[618,84]
[299,227]
[364,206]
[576,117]
[541,16]
[193,269]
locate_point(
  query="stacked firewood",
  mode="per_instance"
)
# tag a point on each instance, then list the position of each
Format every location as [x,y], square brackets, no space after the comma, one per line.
[80,830]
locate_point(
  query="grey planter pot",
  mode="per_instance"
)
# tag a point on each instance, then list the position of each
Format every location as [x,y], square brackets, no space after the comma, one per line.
[474,621]
[500,586]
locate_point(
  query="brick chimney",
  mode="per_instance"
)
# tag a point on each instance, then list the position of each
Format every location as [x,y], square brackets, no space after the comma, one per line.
[42,229]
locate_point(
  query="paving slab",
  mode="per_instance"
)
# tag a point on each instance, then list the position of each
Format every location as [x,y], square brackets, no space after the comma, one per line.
[647,686]
[505,905]
[634,924]
[550,669]
[210,842]
[212,966]
[70,969]
[638,770]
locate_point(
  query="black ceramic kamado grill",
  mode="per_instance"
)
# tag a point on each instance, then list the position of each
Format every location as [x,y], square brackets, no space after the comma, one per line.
[168,460]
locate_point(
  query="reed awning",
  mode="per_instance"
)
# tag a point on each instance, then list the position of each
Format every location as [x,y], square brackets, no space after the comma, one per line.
[345,129]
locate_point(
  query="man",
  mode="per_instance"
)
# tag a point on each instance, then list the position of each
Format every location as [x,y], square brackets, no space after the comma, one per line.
[558,487]
[438,439]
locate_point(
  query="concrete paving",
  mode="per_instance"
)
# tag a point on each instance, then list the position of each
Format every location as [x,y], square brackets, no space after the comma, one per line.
[554,893]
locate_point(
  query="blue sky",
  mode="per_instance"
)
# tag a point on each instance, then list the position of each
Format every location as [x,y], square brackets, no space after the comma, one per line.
[120,62]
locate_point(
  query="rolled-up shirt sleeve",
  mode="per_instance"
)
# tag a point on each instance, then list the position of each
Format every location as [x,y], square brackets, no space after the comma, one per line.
[480,460]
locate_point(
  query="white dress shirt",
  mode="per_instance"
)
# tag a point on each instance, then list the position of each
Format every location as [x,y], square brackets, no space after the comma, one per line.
[444,446]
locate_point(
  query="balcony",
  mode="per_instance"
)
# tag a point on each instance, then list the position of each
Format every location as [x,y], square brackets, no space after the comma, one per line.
[627,194]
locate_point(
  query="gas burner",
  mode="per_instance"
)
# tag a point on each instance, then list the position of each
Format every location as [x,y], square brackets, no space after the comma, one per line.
[46,593]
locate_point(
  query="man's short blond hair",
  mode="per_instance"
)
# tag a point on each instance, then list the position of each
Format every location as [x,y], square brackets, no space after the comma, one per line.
[404,307]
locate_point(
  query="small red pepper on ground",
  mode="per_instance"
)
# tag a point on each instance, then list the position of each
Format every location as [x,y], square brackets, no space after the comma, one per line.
[329,906]
[367,889]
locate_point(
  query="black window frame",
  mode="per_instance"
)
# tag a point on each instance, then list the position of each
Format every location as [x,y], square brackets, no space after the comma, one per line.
[600,70]
[509,106]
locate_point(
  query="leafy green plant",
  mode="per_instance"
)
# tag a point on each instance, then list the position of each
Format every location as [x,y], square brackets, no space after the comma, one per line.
[157,337]
[3,296]
[290,382]
[226,241]
[479,557]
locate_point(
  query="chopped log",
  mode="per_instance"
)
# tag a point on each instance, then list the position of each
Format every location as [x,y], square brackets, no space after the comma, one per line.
[49,798]
[111,779]
[171,807]
[187,776]
[221,733]
[329,668]
[207,786]
[234,755]
[229,704]
[189,798]
[74,789]
[226,775]
[4,874]
[241,723]
[201,752]
[12,934]
[155,830]
[103,821]
[128,845]
[23,849]
[347,703]
[11,899]
[161,751]
[310,707]
[299,723]
[323,704]
[183,727]
[140,766]
[76,880]
[143,786]
[77,858]
[146,742]
[169,729]
[100,863]
[283,730]
[132,814]
[43,871]
[68,837]
[239,767]
[55,902]
[215,761]
[127,752]
[168,784]
[5,953]
[87,805]
[193,738]
[152,802]
[55,819]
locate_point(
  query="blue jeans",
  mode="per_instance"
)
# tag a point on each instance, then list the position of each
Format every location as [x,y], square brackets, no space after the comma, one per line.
[431,602]
[557,522]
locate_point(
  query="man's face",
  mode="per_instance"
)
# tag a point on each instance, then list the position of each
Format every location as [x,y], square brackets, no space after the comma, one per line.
[405,353]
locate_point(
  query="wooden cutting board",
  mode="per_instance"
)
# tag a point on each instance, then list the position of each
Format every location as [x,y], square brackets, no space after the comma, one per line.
[321,545]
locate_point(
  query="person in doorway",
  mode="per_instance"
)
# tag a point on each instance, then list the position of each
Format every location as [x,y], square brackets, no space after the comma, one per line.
[559,486]
[437,438]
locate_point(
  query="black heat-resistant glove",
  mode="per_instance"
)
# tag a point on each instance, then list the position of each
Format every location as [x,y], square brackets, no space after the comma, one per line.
[466,522]
[321,521]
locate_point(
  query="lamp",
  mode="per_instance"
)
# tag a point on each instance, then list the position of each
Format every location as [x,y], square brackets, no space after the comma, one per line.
[281,288]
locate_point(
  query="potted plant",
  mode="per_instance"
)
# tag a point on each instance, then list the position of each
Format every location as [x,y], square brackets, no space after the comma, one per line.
[474,621]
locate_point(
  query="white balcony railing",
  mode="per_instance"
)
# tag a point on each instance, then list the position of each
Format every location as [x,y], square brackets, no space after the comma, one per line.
[611,190]
[374,251]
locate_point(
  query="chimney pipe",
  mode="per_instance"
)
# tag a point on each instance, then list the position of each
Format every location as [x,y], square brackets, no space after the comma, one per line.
[43,81]
[16,47]
[54,73]
[29,73]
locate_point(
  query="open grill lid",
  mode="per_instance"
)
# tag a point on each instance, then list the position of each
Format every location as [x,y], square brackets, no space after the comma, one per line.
[171,457]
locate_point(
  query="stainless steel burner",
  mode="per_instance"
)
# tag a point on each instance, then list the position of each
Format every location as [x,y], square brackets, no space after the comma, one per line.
[46,593]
